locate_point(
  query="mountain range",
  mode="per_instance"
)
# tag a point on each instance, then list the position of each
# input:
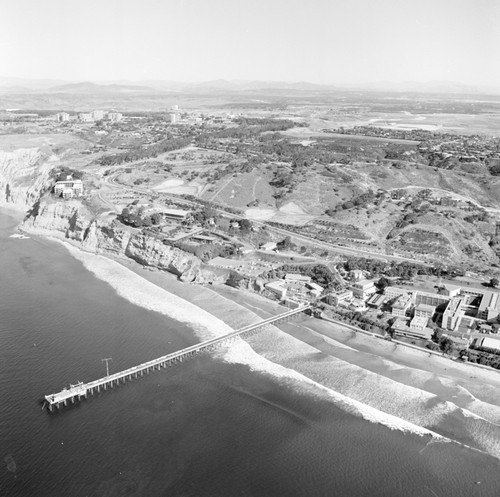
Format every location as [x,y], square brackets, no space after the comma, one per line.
[22,85]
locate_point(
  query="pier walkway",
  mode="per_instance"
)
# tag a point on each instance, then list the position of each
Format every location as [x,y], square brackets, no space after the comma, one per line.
[79,390]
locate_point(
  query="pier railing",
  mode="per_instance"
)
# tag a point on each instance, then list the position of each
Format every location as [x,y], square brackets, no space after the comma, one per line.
[82,390]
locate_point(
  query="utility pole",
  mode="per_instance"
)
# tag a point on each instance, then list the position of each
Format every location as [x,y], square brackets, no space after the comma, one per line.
[107,364]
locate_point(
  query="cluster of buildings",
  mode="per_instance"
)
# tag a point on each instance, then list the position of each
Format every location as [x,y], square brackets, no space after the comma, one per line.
[462,312]
[89,117]
[295,289]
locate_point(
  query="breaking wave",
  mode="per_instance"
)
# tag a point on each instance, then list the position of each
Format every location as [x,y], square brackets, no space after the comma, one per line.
[364,393]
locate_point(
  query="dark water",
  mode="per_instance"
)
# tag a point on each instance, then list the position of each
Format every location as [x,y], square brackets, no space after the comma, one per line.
[204,428]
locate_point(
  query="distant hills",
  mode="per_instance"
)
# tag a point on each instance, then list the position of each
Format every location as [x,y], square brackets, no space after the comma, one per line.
[22,85]
[93,88]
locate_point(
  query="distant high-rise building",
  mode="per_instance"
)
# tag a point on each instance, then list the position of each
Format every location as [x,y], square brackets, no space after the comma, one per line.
[62,117]
[173,118]
[97,115]
[175,107]
[85,117]
[115,116]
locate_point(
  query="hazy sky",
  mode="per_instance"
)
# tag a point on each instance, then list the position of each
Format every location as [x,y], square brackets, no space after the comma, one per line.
[323,41]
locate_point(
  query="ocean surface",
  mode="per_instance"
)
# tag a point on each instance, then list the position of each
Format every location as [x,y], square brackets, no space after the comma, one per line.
[204,428]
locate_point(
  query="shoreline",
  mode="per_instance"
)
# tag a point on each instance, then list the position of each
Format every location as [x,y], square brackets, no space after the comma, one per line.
[292,356]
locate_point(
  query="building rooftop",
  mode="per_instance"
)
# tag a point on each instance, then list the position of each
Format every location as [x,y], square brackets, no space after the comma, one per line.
[425,307]
[402,302]
[297,277]
[419,321]
[454,304]
[490,299]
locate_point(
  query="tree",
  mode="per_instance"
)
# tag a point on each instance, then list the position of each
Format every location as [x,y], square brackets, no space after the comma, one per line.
[156,218]
[494,282]
[382,283]
[125,215]
[446,345]
[245,225]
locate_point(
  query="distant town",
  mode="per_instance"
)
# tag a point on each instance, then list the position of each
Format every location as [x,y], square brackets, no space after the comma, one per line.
[225,187]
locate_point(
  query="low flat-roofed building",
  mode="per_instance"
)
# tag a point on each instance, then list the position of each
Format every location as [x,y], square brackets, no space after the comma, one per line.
[341,296]
[433,299]
[315,289]
[401,306]
[177,214]
[418,323]
[425,310]
[297,277]
[454,313]
[400,327]
[486,343]
[204,238]
[278,288]
[376,301]
[451,290]
[362,289]
[393,292]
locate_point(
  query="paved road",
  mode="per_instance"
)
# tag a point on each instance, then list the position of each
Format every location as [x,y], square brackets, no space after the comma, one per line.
[349,251]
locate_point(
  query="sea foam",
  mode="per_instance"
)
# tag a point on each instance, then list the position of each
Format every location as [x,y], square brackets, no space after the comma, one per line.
[141,292]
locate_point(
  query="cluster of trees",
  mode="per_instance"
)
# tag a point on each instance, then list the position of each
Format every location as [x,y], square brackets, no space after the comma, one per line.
[473,218]
[487,357]
[360,201]
[138,220]
[358,319]
[207,252]
[248,128]
[140,153]
[63,172]
[405,270]
[444,343]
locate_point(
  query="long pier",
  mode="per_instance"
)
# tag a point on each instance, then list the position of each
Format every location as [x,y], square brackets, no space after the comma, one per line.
[82,390]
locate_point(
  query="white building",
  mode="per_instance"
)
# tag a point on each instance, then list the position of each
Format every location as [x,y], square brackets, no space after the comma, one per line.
[401,306]
[115,116]
[69,188]
[392,292]
[362,289]
[62,117]
[489,308]
[418,323]
[454,313]
[85,117]
[278,288]
[97,115]
[341,296]
[425,311]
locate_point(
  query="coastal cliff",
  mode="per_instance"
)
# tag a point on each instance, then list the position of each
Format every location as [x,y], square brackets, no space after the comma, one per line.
[73,221]
[24,175]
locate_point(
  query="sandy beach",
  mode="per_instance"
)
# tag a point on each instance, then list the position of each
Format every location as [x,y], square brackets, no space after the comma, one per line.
[394,385]
[386,383]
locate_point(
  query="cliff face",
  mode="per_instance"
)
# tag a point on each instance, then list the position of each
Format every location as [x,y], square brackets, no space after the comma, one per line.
[24,174]
[72,221]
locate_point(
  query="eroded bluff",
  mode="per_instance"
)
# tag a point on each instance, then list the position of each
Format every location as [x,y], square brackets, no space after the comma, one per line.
[72,221]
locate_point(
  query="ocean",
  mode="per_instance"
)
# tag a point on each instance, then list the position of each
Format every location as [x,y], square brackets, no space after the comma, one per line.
[207,427]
